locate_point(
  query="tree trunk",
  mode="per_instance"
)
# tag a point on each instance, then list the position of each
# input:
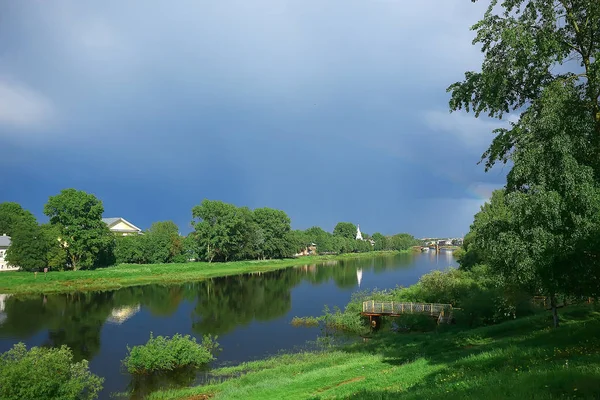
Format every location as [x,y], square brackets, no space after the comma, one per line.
[554,310]
[74,262]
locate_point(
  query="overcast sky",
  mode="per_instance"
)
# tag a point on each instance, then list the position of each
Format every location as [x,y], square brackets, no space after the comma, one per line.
[330,110]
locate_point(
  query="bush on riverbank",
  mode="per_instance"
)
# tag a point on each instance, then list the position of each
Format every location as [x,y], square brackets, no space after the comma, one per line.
[46,373]
[166,354]
[338,320]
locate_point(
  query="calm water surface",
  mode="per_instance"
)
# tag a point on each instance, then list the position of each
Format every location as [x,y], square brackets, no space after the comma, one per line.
[250,313]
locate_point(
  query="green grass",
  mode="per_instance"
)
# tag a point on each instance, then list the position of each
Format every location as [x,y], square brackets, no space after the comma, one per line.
[142,274]
[520,359]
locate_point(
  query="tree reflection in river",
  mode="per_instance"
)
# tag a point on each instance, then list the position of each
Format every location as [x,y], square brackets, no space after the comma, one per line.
[226,303]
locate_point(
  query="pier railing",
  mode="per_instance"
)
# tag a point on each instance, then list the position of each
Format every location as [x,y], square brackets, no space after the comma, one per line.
[397,308]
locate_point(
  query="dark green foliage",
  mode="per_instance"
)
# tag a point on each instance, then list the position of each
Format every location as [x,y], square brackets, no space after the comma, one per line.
[56,256]
[224,232]
[298,240]
[131,249]
[468,255]
[400,241]
[29,247]
[166,354]
[274,227]
[345,229]
[11,214]
[415,323]
[83,234]
[45,373]
[324,240]
[162,242]
[380,241]
[523,42]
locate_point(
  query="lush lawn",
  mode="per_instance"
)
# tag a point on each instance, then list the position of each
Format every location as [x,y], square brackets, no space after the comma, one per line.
[521,359]
[134,274]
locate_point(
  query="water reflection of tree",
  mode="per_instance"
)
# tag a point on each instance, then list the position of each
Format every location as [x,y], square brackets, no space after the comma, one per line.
[223,304]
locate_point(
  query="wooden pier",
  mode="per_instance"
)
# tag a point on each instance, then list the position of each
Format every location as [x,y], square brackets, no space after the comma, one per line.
[371,308]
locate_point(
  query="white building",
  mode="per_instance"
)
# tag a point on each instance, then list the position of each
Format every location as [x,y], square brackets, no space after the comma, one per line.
[4,245]
[121,226]
[358,234]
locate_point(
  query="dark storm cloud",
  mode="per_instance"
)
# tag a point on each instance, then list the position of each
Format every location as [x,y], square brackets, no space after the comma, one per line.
[329,110]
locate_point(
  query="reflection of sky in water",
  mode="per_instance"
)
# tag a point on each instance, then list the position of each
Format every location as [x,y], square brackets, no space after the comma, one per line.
[253,312]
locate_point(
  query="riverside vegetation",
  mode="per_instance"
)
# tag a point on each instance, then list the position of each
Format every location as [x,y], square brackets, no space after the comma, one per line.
[79,248]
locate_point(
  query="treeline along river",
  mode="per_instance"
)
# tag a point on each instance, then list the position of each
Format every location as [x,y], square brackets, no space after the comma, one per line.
[250,313]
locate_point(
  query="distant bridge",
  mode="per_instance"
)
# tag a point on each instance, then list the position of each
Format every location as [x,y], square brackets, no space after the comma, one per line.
[443,312]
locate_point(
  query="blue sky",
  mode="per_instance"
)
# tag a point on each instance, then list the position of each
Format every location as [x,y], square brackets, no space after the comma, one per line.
[330,110]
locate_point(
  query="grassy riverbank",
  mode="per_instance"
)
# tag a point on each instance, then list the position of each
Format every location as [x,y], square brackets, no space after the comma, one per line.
[134,274]
[520,359]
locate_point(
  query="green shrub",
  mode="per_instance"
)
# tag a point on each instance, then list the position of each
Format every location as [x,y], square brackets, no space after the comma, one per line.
[166,354]
[346,321]
[305,321]
[416,323]
[45,373]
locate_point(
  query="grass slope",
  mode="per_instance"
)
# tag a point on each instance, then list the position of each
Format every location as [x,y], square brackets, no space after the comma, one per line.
[134,274]
[521,359]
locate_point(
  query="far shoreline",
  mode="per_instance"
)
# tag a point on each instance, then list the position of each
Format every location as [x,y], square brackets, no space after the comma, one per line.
[127,275]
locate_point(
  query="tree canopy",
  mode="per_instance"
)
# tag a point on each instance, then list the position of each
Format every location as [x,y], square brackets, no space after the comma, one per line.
[84,236]
[11,214]
[345,229]
[528,46]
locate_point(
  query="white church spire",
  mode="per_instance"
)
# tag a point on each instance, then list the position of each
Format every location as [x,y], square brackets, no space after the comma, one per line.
[358,234]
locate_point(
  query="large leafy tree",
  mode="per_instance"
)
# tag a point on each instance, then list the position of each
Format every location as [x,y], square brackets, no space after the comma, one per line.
[223,231]
[542,232]
[163,242]
[84,236]
[29,247]
[275,228]
[540,59]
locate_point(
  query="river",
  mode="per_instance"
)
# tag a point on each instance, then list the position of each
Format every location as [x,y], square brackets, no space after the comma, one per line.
[250,313]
